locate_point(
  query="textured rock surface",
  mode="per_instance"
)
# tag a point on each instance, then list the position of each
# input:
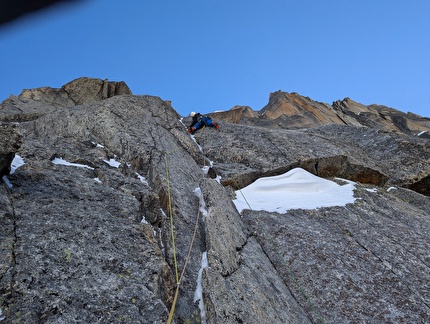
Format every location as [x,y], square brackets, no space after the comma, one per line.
[360,264]
[10,141]
[237,264]
[33,103]
[356,153]
[292,111]
[94,243]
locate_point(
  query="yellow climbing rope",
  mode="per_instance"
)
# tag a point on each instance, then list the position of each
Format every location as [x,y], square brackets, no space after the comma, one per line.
[178,281]
[171,218]
[172,310]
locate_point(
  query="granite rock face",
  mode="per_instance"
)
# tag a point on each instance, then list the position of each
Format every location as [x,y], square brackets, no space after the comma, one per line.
[10,141]
[33,103]
[293,111]
[86,223]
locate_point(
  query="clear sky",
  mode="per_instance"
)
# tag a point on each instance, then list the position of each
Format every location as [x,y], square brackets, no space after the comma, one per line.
[208,55]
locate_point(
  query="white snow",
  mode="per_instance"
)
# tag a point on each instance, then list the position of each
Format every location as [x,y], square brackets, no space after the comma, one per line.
[202,204]
[391,188]
[16,163]
[372,190]
[98,145]
[64,162]
[423,132]
[198,294]
[198,145]
[1,315]
[142,179]
[296,189]
[97,180]
[205,169]
[163,250]
[113,163]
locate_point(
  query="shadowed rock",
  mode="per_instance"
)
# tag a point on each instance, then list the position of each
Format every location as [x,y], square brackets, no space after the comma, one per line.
[10,141]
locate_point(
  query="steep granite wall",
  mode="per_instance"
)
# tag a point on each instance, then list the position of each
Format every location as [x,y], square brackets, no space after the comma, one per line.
[86,222]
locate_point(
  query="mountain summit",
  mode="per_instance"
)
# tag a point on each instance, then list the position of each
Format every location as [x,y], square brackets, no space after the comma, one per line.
[293,111]
[111,212]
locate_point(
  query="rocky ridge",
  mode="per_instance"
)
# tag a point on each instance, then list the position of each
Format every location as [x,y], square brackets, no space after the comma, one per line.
[293,111]
[91,242]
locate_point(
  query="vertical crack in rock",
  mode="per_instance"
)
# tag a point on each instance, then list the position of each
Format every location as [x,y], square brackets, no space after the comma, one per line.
[105,265]
[386,264]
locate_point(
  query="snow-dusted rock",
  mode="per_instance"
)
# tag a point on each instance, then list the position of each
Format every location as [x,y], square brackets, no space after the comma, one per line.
[84,239]
[10,141]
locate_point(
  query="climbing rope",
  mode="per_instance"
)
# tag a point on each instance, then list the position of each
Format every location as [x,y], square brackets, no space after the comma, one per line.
[179,280]
[171,218]
[274,247]
[172,310]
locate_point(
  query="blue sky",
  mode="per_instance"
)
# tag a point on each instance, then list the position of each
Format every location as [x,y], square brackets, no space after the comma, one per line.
[208,55]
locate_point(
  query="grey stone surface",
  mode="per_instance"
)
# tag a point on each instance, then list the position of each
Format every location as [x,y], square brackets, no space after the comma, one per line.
[10,141]
[293,111]
[34,103]
[94,244]
[366,262]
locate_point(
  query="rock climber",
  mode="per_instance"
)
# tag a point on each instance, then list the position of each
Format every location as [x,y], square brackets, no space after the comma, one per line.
[200,121]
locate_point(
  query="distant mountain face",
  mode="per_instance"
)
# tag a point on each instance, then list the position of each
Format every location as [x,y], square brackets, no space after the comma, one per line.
[293,111]
[97,224]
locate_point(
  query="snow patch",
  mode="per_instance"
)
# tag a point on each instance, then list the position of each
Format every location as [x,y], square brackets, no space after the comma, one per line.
[198,294]
[142,179]
[391,188]
[163,250]
[97,180]
[113,163]
[202,204]
[16,163]
[60,161]
[295,189]
[98,145]
[372,190]
[422,133]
